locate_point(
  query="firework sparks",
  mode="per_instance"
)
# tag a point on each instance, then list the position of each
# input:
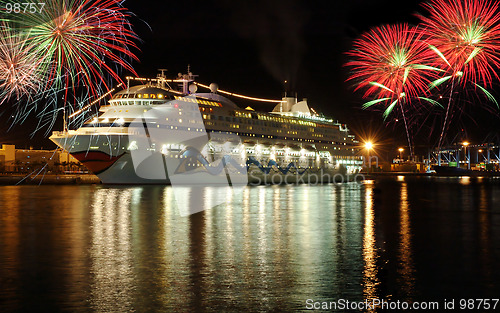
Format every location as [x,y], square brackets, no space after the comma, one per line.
[390,63]
[81,41]
[19,69]
[79,45]
[465,36]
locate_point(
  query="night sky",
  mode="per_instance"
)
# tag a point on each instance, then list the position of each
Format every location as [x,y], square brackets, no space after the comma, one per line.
[252,47]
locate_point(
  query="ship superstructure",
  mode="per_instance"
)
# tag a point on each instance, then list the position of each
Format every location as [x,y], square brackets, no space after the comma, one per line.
[147,129]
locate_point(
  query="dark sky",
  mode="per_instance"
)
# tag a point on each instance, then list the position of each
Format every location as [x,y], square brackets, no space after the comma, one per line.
[251,47]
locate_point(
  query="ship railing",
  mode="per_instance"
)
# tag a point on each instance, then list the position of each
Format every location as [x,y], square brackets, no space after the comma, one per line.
[114,131]
[94,131]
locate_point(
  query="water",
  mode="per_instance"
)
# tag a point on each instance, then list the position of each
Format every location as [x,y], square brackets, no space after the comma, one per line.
[98,248]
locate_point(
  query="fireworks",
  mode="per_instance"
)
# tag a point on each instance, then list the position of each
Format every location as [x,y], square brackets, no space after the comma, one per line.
[458,42]
[80,41]
[61,50]
[390,62]
[465,35]
[19,74]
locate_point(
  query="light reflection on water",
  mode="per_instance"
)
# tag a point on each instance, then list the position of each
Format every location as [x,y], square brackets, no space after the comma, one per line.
[95,248]
[370,255]
[406,270]
[111,251]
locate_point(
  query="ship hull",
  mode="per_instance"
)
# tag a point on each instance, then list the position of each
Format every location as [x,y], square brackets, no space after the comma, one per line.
[114,164]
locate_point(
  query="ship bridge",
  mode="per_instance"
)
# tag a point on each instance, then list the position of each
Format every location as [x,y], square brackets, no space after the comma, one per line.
[141,95]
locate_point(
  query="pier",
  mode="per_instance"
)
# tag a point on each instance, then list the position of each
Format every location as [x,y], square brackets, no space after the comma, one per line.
[485,156]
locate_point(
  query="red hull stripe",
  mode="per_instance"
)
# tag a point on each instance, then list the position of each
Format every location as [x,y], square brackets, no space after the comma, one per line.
[96,161]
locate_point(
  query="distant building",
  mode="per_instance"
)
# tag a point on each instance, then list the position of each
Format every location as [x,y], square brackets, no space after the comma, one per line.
[26,160]
[7,153]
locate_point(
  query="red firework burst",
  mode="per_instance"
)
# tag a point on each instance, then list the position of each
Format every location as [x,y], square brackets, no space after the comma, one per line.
[390,62]
[465,34]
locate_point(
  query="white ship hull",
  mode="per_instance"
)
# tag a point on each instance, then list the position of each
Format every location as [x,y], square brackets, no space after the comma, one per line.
[115,165]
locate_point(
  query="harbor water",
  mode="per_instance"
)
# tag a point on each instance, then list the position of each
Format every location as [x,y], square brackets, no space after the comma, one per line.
[94,248]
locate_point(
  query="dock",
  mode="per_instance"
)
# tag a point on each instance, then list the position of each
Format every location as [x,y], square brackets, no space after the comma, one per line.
[48,179]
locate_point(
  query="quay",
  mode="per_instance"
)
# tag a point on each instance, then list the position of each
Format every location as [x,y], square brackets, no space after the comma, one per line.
[48,179]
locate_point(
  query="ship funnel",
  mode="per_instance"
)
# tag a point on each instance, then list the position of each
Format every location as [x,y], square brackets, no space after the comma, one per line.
[285,105]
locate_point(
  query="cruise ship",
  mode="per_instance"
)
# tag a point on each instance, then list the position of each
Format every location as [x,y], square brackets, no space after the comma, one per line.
[163,131]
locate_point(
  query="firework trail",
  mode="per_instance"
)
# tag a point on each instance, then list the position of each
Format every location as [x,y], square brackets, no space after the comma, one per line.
[77,44]
[465,36]
[390,62]
[44,106]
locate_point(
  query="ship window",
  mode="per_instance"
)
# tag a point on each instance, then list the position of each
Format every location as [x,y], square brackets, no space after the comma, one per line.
[139,96]
[146,96]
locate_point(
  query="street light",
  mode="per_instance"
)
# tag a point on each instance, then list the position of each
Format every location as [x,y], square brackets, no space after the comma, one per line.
[400,152]
[467,156]
[368,147]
